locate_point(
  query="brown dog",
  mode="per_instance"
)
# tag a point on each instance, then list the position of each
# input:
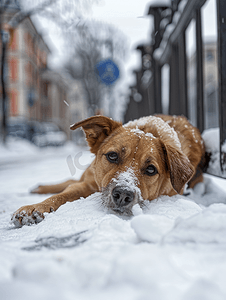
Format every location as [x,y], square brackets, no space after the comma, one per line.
[141,160]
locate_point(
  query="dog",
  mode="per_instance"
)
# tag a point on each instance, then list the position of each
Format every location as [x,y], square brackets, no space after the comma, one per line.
[141,160]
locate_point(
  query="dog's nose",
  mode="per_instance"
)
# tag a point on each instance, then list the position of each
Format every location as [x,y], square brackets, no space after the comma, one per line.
[122,196]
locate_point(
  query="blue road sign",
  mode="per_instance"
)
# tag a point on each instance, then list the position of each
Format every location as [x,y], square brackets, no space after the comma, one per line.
[107,71]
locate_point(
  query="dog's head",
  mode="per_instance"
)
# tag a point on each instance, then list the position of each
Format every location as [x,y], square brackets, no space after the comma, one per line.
[134,163]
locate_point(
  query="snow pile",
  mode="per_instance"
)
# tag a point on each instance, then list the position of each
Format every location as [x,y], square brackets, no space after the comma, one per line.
[209,226]
[172,248]
[151,228]
[81,251]
[17,150]
[211,139]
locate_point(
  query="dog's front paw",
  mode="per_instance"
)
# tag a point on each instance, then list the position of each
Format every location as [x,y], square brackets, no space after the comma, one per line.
[28,215]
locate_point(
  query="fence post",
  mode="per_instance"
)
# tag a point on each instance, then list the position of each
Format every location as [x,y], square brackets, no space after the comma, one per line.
[174,101]
[4,40]
[221,25]
[144,107]
[183,74]
[178,103]
[156,67]
[199,71]
[157,76]
[150,93]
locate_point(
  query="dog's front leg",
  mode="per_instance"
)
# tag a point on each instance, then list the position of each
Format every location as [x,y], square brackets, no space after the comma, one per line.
[54,188]
[31,214]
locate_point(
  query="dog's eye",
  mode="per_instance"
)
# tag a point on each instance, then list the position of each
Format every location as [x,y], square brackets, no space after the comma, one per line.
[151,170]
[112,157]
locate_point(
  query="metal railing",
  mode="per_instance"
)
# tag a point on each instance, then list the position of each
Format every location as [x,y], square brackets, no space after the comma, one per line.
[168,47]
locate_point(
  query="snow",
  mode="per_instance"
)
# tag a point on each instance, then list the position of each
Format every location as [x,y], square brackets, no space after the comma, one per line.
[211,138]
[209,25]
[172,248]
[164,22]
[182,5]
[128,180]
[159,3]
[162,127]
[141,132]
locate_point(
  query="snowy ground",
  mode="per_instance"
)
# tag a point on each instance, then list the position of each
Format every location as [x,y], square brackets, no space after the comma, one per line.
[174,249]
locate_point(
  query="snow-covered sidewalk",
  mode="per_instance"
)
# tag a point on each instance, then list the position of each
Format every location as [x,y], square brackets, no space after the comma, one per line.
[173,249]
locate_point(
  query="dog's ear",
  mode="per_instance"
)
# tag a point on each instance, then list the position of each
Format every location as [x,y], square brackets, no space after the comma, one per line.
[180,168]
[96,128]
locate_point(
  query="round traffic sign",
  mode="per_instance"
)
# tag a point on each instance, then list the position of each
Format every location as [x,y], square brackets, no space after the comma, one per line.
[107,71]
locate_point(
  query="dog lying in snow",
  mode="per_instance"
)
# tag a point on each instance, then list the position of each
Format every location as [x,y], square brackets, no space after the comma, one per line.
[145,158]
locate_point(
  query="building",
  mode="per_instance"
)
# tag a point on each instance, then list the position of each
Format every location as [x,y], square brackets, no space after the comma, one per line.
[78,108]
[210,86]
[55,101]
[34,92]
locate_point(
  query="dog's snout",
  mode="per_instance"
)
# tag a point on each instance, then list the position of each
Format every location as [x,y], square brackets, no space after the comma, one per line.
[122,196]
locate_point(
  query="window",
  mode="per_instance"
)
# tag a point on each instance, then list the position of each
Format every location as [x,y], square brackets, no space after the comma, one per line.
[13,69]
[14,103]
[14,44]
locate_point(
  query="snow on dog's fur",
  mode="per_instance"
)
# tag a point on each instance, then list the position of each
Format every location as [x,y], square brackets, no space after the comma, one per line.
[129,182]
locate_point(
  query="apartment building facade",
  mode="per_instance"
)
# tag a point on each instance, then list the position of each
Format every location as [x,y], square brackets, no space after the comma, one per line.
[34,92]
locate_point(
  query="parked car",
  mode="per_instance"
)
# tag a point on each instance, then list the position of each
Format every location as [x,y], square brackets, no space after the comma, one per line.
[18,127]
[47,134]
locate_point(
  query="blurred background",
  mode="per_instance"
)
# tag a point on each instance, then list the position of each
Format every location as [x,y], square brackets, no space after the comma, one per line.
[63,61]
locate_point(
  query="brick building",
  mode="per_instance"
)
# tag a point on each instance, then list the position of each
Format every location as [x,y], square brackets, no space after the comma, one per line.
[27,57]
[34,92]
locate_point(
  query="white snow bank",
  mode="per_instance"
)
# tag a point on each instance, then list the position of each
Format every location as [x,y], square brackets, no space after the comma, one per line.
[160,216]
[17,149]
[213,192]
[173,248]
[211,139]
[204,226]
[209,226]
[151,228]
[128,258]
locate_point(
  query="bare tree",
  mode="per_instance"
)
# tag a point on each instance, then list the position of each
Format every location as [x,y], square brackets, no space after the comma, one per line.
[92,42]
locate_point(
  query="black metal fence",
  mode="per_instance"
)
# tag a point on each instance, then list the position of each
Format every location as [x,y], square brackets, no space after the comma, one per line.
[169,48]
